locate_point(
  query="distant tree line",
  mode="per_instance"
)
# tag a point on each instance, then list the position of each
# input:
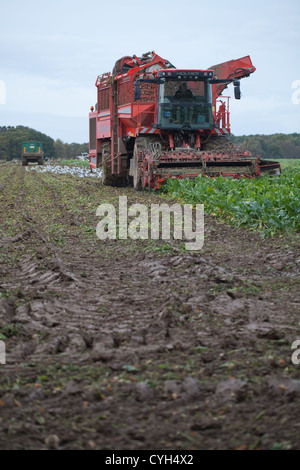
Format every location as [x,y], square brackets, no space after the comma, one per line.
[69,151]
[271,146]
[11,139]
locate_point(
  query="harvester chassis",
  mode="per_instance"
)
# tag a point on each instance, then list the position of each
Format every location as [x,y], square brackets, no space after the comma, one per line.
[153,162]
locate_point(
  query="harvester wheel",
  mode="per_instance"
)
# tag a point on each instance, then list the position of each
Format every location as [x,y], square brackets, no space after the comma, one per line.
[141,145]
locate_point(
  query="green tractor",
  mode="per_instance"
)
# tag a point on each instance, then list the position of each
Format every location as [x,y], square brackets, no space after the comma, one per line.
[32,152]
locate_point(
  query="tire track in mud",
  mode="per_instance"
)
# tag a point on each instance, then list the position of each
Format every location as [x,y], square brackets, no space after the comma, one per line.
[80,313]
[30,270]
[97,299]
[31,278]
[104,299]
[37,277]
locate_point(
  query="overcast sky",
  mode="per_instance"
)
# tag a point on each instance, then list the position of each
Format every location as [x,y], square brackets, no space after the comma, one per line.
[51,54]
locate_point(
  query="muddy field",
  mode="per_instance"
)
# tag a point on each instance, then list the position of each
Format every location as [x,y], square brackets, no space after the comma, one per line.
[123,344]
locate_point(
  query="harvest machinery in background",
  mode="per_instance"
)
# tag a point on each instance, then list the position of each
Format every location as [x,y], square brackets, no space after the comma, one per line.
[32,152]
[153,121]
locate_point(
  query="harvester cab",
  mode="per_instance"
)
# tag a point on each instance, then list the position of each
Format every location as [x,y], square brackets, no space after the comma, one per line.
[187,110]
[184,100]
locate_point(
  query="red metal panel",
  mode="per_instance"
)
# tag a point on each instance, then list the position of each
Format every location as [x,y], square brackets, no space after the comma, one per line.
[226,70]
